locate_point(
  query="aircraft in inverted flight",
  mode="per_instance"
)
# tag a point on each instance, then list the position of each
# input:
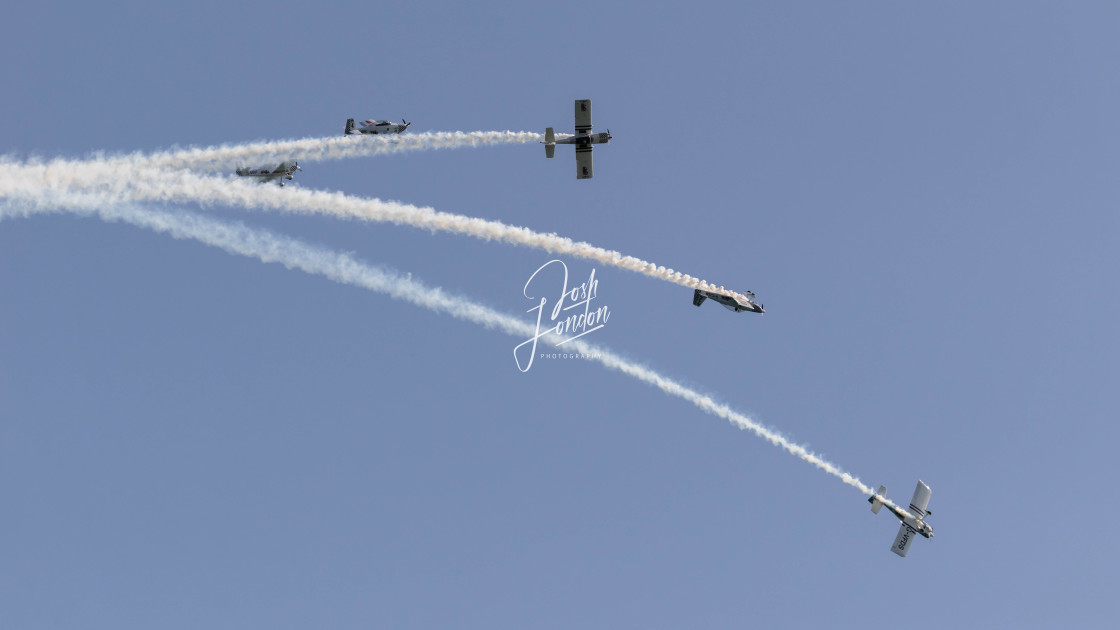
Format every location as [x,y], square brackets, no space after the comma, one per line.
[729,300]
[913,523]
[375,127]
[583,139]
[286,170]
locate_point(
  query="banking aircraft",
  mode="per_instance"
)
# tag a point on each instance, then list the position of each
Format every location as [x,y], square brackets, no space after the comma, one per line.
[912,523]
[729,300]
[375,127]
[583,139]
[286,170]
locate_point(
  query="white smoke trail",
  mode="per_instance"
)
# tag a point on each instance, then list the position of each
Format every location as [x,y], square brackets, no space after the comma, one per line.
[267,247]
[339,147]
[101,170]
[22,180]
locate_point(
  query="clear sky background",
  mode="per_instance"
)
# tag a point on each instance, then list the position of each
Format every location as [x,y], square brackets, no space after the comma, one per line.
[923,196]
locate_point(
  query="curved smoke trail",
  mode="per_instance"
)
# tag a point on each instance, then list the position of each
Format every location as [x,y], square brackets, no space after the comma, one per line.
[134,183]
[267,247]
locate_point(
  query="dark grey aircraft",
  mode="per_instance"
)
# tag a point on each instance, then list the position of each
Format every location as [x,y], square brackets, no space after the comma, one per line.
[286,170]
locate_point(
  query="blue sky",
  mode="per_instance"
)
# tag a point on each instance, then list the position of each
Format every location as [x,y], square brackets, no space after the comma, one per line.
[924,198]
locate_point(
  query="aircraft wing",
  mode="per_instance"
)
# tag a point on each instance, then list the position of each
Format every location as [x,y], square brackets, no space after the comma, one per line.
[902,541]
[920,500]
[583,116]
[584,166]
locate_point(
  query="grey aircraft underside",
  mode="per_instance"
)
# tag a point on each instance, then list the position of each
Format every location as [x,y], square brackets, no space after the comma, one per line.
[374,127]
[286,170]
[731,301]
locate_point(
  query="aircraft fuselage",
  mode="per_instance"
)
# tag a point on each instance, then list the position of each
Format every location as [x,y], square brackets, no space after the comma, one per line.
[730,302]
[586,139]
[374,127]
[286,170]
[916,526]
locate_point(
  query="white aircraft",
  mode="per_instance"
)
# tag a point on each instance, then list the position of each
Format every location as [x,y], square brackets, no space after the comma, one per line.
[286,170]
[375,127]
[912,523]
[583,139]
[729,300]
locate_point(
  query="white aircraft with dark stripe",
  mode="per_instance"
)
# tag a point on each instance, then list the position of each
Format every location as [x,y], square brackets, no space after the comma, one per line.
[374,127]
[583,139]
[731,301]
[913,523]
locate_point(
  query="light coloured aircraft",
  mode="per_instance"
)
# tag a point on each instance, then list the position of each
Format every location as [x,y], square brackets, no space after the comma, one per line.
[583,139]
[729,300]
[375,127]
[913,523]
[286,170]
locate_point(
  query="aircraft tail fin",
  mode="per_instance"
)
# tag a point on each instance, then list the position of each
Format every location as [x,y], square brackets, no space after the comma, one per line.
[698,297]
[349,126]
[876,501]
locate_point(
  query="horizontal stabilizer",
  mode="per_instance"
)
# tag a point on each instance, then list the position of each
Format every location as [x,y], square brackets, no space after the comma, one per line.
[549,143]
[698,297]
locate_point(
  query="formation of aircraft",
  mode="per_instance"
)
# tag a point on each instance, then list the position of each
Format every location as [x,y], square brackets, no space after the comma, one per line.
[583,139]
[375,127]
[729,300]
[286,170]
[913,523]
